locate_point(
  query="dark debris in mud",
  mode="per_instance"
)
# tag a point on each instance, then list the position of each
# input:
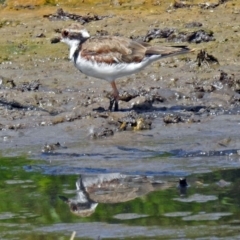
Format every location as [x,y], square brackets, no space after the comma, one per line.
[14,127]
[193,24]
[158,33]
[205,88]
[225,142]
[61,118]
[172,118]
[235,100]
[230,80]
[204,5]
[27,6]
[126,96]
[134,121]
[207,5]
[173,35]
[101,133]
[177,118]
[197,36]
[223,81]
[142,103]
[15,105]
[55,40]
[101,32]
[180,4]
[204,58]
[49,148]
[6,83]
[151,95]
[29,86]
[40,35]
[62,15]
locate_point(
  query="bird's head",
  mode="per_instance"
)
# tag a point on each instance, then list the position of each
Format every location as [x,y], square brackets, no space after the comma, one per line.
[74,35]
[75,32]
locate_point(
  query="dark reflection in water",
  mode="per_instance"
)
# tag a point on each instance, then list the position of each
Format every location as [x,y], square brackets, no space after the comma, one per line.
[110,188]
[182,186]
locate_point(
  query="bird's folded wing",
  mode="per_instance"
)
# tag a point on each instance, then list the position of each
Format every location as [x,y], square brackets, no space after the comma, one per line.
[110,49]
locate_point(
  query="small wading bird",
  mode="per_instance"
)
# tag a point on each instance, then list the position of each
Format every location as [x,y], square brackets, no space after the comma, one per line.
[112,57]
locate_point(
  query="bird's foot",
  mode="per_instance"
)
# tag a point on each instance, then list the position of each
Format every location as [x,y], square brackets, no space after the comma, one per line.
[116,106]
[114,102]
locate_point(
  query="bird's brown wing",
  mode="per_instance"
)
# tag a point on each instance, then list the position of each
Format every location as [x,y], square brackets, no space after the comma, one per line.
[111,49]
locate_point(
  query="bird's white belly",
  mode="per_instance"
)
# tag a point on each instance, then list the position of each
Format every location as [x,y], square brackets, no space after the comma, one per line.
[110,72]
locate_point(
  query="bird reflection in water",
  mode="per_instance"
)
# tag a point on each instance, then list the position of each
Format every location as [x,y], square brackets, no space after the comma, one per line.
[110,188]
[81,205]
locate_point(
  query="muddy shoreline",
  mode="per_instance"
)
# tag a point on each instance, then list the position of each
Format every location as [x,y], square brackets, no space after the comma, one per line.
[51,111]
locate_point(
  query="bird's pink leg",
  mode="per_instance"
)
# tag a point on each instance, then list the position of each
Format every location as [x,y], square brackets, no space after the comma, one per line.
[115,97]
[115,91]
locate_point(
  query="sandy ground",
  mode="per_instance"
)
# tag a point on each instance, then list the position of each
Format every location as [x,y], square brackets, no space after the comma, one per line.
[193,110]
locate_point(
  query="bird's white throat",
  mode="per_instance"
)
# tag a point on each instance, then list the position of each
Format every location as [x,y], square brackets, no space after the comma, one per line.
[73,45]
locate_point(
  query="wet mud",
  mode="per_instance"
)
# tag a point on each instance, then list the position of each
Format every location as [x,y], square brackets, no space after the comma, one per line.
[185,104]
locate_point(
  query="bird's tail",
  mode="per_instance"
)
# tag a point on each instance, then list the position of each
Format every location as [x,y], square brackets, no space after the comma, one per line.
[168,51]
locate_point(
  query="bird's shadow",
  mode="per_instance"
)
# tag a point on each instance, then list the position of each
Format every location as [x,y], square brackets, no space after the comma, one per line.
[175,108]
[159,109]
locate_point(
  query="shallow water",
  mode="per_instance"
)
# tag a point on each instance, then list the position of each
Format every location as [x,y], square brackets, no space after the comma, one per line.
[129,206]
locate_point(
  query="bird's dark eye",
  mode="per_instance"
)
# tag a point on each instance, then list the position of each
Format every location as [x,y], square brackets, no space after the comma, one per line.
[65,33]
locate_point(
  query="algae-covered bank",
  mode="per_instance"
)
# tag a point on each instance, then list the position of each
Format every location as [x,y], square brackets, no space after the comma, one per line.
[178,118]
